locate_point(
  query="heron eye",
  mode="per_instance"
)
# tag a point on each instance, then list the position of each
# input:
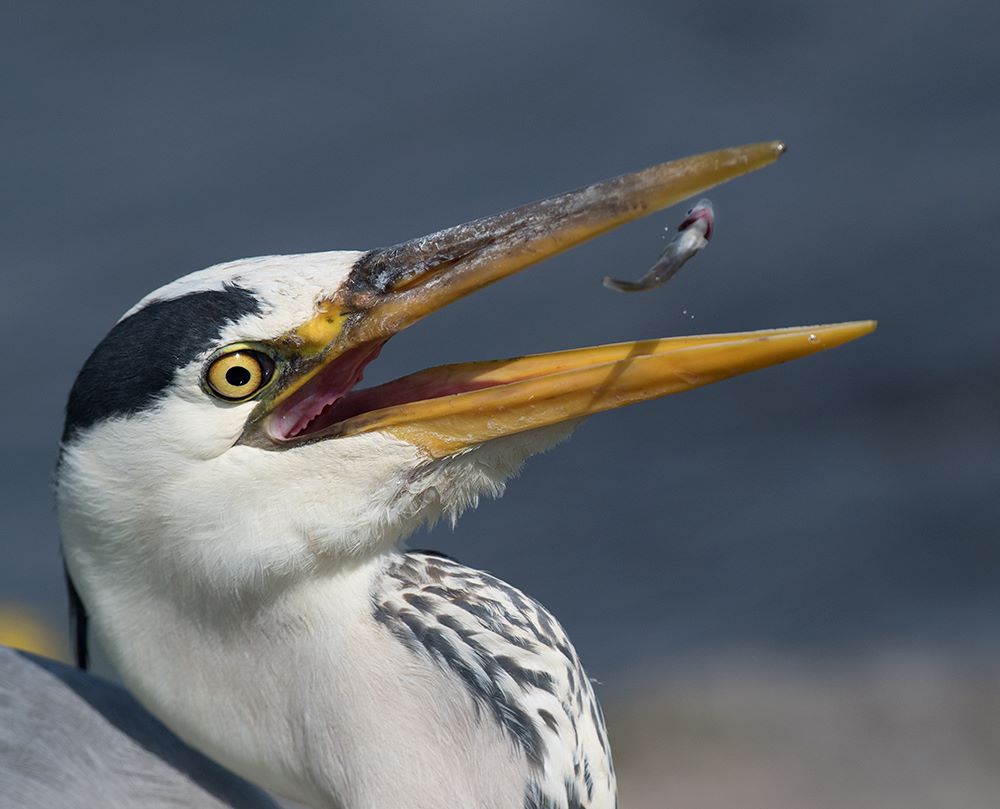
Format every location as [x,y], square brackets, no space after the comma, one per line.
[239,375]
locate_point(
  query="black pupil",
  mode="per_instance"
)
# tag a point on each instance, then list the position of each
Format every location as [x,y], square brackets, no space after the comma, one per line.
[238,376]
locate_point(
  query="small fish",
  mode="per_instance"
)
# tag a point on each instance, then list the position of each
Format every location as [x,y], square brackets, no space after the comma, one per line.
[692,237]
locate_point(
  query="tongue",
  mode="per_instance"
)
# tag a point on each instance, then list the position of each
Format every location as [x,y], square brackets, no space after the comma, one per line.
[323,391]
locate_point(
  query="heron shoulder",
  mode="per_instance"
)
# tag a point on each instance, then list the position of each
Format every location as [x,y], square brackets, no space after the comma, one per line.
[515,661]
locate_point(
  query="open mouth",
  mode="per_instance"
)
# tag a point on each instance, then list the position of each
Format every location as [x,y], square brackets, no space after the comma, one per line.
[450,408]
[317,404]
[332,396]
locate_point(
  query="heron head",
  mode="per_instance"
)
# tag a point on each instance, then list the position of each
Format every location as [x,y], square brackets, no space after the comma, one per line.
[219,435]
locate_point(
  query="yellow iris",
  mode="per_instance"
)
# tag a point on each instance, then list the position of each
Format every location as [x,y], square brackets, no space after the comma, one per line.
[239,374]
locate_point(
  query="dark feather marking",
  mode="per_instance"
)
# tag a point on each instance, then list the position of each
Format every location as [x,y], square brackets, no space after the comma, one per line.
[418,602]
[421,629]
[78,621]
[547,626]
[389,620]
[436,590]
[432,553]
[597,716]
[136,362]
[422,610]
[534,799]
[593,715]
[469,635]
[549,720]
[526,677]
[477,609]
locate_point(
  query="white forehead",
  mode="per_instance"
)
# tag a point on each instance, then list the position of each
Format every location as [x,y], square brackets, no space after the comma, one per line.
[288,288]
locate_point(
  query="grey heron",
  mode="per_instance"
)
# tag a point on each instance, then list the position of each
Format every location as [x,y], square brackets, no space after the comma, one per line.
[234,510]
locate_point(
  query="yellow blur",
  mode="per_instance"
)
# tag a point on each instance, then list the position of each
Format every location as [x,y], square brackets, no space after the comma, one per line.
[21,629]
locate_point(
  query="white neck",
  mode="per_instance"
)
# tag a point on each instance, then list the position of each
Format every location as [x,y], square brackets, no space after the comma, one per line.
[307,695]
[240,684]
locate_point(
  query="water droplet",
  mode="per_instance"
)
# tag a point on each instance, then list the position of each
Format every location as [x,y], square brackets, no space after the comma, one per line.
[813,338]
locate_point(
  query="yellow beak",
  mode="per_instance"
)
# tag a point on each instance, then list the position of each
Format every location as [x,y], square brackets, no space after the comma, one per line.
[448,409]
[512,396]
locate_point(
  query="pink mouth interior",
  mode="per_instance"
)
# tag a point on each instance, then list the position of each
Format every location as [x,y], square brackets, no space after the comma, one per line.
[329,397]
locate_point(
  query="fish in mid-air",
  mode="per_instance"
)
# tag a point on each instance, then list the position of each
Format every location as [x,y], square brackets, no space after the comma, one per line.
[692,237]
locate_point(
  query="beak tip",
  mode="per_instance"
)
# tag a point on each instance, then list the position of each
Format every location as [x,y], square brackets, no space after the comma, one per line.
[826,337]
[866,327]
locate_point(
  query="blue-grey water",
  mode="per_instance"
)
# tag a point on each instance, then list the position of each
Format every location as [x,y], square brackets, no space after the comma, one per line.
[845,501]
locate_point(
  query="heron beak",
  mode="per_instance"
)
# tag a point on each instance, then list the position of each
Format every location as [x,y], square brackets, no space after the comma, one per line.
[448,409]
[399,285]
[512,396]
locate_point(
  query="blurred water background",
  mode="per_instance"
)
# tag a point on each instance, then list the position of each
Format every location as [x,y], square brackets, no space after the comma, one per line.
[788,583]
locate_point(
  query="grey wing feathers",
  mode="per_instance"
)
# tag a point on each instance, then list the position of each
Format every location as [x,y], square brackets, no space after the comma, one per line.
[69,739]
